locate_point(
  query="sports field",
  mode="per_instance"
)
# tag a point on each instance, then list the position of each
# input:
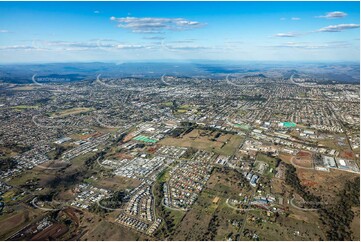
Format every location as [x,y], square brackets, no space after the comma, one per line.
[289,124]
[145,139]
[242,126]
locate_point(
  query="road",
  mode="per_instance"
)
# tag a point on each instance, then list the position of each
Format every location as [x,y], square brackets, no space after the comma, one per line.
[301,167]
[303,209]
[247,212]
[33,202]
[105,125]
[42,126]
[239,209]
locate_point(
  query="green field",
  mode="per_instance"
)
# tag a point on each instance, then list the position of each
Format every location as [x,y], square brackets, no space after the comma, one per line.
[181,111]
[145,139]
[71,111]
[242,126]
[184,106]
[168,104]
[20,107]
[164,175]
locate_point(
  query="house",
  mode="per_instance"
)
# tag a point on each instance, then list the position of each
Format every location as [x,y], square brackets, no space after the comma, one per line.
[215,200]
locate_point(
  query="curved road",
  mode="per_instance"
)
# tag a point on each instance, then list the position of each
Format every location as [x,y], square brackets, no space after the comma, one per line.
[239,209]
[303,209]
[301,167]
[111,209]
[105,125]
[50,168]
[33,202]
[176,209]
[42,126]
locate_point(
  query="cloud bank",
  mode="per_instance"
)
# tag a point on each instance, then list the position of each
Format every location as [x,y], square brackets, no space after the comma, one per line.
[339,27]
[335,14]
[155,25]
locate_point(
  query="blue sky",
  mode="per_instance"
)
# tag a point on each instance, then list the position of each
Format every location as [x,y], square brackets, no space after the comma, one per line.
[137,31]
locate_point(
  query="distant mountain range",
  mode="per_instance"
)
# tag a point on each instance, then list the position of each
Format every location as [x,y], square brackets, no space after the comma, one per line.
[22,73]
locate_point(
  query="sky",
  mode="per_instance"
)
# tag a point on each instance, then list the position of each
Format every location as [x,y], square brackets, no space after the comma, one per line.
[40,32]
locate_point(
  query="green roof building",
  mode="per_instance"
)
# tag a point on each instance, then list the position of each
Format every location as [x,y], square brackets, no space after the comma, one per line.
[288,124]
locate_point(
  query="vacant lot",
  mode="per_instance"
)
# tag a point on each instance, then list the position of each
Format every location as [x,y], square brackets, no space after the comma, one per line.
[194,225]
[116,183]
[226,183]
[10,223]
[83,136]
[54,231]
[292,227]
[348,155]
[285,157]
[103,230]
[212,221]
[325,184]
[338,143]
[37,173]
[213,141]
[303,159]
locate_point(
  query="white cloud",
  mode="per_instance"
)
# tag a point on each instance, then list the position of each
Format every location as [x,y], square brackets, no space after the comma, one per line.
[154,37]
[185,41]
[127,47]
[99,44]
[183,46]
[234,42]
[155,25]
[187,47]
[96,11]
[339,27]
[335,14]
[67,46]
[4,31]
[312,45]
[287,35]
[110,45]
[17,47]
[295,18]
